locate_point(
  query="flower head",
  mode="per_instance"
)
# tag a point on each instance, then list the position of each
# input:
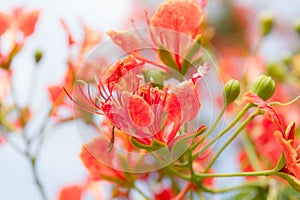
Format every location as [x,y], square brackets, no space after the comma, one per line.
[184,16]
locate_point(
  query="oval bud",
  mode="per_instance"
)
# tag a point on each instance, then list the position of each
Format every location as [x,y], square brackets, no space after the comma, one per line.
[276,71]
[232,90]
[263,86]
[266,23]
[38,56]
[154,76]
[297,26]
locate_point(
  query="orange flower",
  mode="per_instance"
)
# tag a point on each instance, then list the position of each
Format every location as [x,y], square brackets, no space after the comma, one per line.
[100,169]
[72,192]
[143,111]
[286,140]
[184,16]
[19,20]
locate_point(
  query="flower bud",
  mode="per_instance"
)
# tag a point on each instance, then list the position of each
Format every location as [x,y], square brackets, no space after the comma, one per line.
[38,56]
[154,76]
[297,26]
[263,86]
[232,90]
[266,23]
[276,71]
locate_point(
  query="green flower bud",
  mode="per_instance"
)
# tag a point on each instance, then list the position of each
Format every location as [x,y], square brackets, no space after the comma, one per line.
[263,86]
[38,56]
[154,76]
[232,90]
[287,59]
[297,26]
[266,23]
[276,71]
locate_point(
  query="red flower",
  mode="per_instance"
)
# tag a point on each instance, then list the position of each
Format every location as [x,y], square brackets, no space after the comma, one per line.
[286,140]
[144,111]
[100,169]
[19,20]
[184,16]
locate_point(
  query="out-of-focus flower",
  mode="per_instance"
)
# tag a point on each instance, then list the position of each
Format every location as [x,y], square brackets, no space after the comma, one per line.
[89,40]
[99,169]
[72,192]
[19,20]
[166,193]
[290,150]
[176,15]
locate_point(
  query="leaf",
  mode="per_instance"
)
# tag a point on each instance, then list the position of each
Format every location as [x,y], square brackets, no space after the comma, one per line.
[166,57]
[194,48]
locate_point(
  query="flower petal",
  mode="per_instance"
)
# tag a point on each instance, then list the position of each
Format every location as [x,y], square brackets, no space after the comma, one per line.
[140,111]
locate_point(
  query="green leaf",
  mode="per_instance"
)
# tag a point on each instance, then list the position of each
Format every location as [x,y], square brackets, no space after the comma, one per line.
[166,57]
[194,48]
[281,162]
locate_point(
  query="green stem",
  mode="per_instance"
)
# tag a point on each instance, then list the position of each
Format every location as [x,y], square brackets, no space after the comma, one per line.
[194,146]
[250,150]
[259,173]
[37,181]
[232,124]
[141,192]
[240,128]
[239,187]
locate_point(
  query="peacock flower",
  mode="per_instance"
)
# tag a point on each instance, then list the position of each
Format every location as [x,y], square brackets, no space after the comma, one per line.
[141,109]
[100,170]
[184,16]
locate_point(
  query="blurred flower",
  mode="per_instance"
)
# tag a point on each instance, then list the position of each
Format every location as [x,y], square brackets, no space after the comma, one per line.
[176,15]
[72,192]
[19,20]
[100,169]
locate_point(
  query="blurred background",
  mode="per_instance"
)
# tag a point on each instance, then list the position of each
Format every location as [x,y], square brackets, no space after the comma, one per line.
[58,164]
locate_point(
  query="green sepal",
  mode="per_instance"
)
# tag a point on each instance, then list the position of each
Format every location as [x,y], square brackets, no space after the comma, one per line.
[166,57]
[194,48]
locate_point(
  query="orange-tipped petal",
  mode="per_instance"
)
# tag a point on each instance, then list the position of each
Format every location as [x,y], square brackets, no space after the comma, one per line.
[91,38]
[140,111]
[127,41]
[289,153]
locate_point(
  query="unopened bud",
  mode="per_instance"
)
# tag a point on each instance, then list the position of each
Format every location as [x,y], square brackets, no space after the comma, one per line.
[297,26]
[276,71]
[266,23]
[153,76]
[232,90]
[263,86]
[38,56]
